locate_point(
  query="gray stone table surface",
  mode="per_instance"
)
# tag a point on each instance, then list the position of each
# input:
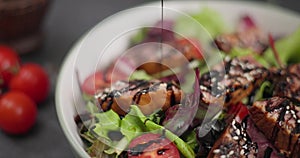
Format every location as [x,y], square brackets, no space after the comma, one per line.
[65,22]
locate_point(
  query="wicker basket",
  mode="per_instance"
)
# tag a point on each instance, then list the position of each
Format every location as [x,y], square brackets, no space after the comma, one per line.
[20,23]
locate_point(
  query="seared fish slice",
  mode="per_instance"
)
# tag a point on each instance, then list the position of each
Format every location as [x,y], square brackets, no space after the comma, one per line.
[150,96]
[233,143]
[253,39]
[231,84]
[287,82]
[279,120]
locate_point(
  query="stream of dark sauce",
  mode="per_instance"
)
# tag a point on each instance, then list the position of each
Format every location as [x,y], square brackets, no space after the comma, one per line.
[268,152]
[161,66]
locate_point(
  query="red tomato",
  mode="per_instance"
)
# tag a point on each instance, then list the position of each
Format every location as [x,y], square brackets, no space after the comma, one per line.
[190,48]
[243,112]
[240,111]
[93,83]
[17,112]
[9,64]
[33,81]
[152,146]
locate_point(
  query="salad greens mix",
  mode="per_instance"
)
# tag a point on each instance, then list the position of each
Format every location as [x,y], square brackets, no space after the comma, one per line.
[108,132]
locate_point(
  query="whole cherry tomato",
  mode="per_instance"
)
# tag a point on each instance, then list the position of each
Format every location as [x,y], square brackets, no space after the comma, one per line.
[9,64]
[152,146]
[17,112]
[33,81]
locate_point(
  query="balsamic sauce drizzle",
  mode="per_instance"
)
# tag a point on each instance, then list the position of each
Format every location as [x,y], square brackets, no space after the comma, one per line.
[287,113]
[143,87]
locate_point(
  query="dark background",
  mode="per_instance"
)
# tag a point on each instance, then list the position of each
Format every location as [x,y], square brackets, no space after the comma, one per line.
[65,22]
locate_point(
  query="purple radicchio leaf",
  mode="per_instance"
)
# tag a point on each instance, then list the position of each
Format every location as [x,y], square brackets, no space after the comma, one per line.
[162,29]
[183,115]
[246,23]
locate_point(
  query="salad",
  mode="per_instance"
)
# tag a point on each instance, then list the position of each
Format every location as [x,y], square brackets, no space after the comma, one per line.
[246,105]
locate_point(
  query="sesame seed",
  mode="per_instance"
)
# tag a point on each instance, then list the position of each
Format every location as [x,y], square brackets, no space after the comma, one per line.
[238,132]
[106,90]
[293,112]
[231,153]
[202,87]
[118,93]
[259,71]
[227,58]
[235,138]
[248,77]
[216,151]
[242,152]
[233,122]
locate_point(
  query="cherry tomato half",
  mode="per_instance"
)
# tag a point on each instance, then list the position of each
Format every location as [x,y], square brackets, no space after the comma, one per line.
[33,81]
[190,48]
[93,83]
[9,64]
[152,146]
[242,113]
[17,112]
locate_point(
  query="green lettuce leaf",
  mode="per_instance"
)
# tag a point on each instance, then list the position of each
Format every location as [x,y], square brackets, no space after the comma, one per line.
[182,146]
[139,36]
[260,93]
[106,122]
[203,24]
[132,126]
[97,150]
[191,139]
[91,107]
[288,49]
[118,147]
[140,75]
[239,52]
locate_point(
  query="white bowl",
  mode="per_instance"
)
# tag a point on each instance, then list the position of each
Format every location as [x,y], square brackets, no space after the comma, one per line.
[273,19]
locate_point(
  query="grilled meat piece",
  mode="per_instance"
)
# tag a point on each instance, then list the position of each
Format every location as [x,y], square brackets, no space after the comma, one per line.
[265,147]
[279,120]
[149,96]
[236,81]
[253,39]
[234,142]
[287,82]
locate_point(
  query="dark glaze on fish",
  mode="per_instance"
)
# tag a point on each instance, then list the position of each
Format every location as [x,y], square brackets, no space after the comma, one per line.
[252,39]
[287,82]
[148,95]
[279,120]
[236,81]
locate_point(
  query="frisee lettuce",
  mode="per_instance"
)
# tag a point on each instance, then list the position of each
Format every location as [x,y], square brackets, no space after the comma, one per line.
[209,20]
[140,75]
[132,125]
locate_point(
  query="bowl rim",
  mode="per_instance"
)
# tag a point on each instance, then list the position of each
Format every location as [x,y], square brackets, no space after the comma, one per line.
[76,146]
